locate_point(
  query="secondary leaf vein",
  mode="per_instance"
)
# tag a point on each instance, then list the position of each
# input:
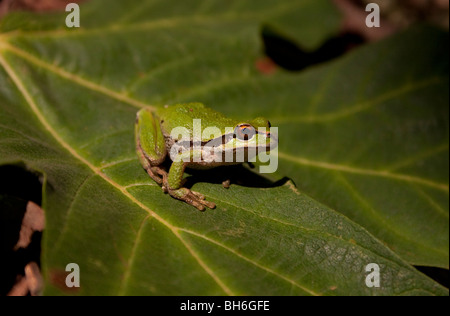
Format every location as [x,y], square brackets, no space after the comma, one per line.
[309,291]
[368,172]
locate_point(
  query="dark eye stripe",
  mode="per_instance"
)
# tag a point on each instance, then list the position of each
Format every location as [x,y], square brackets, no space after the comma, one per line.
[224,138]
[263,133]
[213,142]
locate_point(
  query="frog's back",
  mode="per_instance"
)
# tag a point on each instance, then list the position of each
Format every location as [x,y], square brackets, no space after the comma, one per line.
[182,115]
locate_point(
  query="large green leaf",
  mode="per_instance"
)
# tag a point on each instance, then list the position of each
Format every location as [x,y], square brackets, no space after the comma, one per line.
[68,99]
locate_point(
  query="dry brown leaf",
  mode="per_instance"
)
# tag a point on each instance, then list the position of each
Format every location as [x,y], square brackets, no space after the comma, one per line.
[34,279]
[31,283]
[33,221]
[20,288]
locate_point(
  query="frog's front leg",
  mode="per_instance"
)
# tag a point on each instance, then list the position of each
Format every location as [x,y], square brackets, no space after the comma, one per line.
[174,186]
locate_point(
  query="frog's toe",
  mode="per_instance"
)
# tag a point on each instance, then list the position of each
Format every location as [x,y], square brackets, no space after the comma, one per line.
[199,195]
[209,204]
[199,206]
[193,198]
[198,200]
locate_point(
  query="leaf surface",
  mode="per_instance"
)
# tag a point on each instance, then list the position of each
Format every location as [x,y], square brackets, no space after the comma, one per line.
[68,100]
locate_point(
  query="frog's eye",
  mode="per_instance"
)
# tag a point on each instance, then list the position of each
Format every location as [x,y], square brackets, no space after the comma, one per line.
[244,131]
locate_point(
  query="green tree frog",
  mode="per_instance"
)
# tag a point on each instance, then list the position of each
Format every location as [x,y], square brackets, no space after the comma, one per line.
[195,136]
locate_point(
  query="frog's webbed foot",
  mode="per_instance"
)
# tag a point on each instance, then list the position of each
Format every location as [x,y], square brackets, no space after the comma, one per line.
[192,198]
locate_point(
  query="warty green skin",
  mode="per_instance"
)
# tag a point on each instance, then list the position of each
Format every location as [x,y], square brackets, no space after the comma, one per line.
[154,142]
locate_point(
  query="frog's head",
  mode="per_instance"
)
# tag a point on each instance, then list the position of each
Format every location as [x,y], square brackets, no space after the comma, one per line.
[250,138]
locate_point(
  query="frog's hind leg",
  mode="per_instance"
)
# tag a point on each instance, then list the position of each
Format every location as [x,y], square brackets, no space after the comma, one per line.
[156,173]
[150,145]
[159,175]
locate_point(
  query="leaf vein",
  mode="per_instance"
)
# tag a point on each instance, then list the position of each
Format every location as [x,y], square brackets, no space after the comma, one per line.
[386,225]
[431,201]
[309,291]
[75,78]
[363,106]
[69,211]
[127,274]
[368,172]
